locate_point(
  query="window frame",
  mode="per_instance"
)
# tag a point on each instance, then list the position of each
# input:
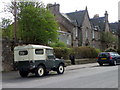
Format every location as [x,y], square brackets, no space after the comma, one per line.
[25,51]
[39,53]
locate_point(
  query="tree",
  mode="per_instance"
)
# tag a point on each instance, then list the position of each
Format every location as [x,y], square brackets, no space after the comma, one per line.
[7,28]
[36,24]
[108,38]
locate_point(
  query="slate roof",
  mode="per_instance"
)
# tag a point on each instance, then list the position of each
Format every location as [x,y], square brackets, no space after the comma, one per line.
[77,16]
[114,27]
[99,22]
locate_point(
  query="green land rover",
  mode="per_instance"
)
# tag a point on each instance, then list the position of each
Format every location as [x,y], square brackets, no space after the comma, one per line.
[36,59]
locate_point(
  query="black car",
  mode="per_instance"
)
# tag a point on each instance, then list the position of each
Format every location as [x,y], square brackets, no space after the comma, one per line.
[111,58]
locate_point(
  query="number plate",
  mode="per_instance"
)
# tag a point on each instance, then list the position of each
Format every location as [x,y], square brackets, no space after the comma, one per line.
[103,58]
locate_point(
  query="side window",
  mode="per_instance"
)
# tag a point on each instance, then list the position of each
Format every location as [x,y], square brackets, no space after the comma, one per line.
[49,51]
[24,52]
[39,51]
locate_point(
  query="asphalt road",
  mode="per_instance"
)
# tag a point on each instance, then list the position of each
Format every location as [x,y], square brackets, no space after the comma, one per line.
[87,77]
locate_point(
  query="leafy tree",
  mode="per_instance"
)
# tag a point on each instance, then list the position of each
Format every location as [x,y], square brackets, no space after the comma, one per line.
[36,24]
[7,28]
[5,22]
[108,38]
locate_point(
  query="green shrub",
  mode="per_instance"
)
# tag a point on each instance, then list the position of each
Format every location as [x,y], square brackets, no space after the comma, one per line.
[79,52]
[110,49]
[58,44]
[62,52]
[86,52]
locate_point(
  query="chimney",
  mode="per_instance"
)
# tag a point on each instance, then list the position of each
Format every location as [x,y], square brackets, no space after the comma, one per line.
[106,16]
[96,16]
[54,8]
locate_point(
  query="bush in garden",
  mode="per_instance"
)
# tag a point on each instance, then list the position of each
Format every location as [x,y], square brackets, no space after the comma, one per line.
[86,52]
[62,52]
[79,52]
[58,44]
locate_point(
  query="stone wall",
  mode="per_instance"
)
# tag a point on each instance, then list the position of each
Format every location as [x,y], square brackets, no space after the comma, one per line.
[7,55]
[81,61]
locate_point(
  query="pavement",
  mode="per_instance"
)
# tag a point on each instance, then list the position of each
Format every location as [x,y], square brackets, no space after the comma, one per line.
[80,66]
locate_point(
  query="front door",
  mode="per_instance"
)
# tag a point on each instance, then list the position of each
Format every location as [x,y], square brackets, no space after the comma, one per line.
[50,61]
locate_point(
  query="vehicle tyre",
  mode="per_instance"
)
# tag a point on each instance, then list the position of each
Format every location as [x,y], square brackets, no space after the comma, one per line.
[114,62]
[101,64]
[40,71]
[60,69]
[23,73]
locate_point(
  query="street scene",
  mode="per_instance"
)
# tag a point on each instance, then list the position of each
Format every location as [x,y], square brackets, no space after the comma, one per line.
[55,44]
[78,76]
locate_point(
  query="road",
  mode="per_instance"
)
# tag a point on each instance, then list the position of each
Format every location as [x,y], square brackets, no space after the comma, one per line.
[84,77]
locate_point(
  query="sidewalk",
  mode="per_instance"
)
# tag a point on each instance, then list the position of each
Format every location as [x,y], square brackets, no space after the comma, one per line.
[80,66]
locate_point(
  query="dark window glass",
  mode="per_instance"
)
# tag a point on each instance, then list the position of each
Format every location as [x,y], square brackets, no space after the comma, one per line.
[104,55]
[25,52]
[39,51]
[49,51]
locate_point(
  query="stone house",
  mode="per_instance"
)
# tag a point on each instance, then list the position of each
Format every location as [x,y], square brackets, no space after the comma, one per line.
[76,23]
[99,25]
[84,29]
[78,29]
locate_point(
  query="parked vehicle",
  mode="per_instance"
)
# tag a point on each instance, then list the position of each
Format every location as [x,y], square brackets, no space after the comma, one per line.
[36,59]
[111,58]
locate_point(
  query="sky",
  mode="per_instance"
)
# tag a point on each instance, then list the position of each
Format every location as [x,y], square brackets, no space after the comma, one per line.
[66,6]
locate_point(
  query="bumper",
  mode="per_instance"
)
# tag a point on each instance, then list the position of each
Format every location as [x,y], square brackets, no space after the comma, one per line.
[104,61]
[24,67]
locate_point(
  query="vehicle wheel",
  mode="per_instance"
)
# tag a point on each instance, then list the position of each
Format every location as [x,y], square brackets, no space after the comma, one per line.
[40,71]
[23,73]
[60,69]
[114,62]
[101,64]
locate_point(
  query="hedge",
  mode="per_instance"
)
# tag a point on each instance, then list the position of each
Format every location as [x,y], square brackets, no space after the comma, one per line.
[78,52]
[86,52]
[62,52]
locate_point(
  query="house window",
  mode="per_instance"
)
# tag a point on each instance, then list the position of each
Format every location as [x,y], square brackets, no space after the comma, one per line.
[93,34]
[67,42]
[76,32]
[86,34]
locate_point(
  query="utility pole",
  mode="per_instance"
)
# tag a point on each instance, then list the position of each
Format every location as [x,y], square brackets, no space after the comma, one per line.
[15,23]
[119,36]
[119,28]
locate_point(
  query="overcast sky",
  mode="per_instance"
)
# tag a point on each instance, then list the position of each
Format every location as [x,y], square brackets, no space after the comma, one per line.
[94,7]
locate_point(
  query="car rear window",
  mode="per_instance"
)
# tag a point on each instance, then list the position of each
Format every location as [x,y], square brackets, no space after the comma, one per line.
[103,54]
